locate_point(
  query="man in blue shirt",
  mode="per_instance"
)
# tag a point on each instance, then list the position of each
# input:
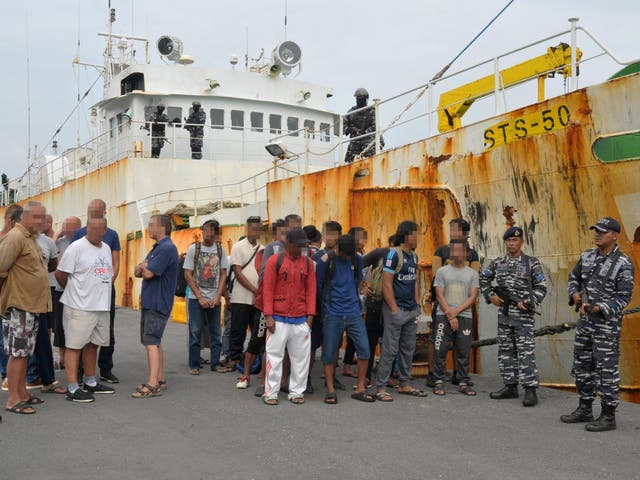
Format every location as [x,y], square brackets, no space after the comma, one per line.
[338,277]
[159,273]
[400,312]
[98,209]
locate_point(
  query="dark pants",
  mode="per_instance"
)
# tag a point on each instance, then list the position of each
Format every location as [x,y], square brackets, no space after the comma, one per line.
[105,357]
[58,329]
[443,337]
[241,318]
[43,351]
[349,353]
[375,328]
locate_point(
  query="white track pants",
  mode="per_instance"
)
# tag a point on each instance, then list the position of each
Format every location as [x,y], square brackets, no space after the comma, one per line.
[297,340]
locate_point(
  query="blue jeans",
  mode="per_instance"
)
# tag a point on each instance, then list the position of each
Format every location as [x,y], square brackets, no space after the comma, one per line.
[197,316]
[333,328]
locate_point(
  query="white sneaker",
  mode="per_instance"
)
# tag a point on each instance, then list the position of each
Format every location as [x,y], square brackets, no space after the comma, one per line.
[243,382]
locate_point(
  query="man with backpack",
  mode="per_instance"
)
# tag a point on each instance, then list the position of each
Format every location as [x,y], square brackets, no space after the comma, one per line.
[400,312]
[205,270]
[289,306]
[338,276]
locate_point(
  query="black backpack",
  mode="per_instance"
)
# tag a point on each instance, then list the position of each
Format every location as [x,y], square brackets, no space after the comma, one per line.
[181,284]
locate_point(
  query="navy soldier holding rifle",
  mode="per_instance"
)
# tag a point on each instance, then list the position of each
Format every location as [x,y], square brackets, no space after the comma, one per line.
[520,287]
[600,287]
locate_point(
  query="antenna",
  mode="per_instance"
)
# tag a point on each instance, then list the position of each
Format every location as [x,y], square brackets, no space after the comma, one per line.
[285,19]
[28,95]
[246,52]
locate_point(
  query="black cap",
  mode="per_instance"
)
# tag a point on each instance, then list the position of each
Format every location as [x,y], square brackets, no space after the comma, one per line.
[313,235]
[513,232]
[605,224]
[297,237]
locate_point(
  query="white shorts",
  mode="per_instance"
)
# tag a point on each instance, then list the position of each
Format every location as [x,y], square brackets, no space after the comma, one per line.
[82,327]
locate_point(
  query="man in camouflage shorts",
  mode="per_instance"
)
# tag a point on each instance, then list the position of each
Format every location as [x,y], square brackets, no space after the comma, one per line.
[25,295]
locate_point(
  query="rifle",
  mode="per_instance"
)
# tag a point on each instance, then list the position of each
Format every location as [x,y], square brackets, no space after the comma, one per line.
[508,299]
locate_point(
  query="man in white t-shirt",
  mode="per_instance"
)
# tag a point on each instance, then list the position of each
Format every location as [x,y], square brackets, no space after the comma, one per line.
[244,288]
[205,270]
[86,273]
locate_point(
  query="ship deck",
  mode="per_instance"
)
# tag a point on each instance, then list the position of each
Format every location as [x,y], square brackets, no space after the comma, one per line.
[202,427]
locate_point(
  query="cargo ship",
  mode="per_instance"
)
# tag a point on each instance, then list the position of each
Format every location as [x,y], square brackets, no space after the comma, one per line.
[553,167]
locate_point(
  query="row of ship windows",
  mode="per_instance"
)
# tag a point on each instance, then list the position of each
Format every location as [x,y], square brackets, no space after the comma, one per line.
[216,116]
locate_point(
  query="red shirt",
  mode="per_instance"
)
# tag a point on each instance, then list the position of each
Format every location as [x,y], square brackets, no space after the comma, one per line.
[291,292]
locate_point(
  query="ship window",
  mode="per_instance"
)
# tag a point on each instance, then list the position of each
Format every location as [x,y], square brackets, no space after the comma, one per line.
[135,81]
[275,123]
[617,148]
[119,122]
[217,118]
[175,115]
[256,121]
[310,125]
[292,126]
[237,119]
[112,127]
[325,132]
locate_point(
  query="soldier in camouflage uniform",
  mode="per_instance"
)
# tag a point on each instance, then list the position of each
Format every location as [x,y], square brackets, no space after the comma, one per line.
[194,126]
[358,124]
[520,288]
[600,286]
[159,122]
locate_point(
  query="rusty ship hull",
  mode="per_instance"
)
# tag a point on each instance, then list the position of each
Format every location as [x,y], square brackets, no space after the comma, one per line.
[535,167]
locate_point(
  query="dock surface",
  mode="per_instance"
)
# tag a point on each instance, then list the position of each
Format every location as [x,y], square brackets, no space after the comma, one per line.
[204,428]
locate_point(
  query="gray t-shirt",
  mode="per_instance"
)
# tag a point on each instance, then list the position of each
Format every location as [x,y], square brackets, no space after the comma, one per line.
[207,273]
[457,284]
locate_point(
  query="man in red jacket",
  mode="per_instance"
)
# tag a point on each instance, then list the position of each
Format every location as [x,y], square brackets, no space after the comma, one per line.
[289,296]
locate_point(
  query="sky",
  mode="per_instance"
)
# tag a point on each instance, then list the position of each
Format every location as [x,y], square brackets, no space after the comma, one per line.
[387,47]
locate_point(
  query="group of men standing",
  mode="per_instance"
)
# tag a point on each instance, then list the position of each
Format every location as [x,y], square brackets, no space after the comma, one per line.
[297,297]
[157,126]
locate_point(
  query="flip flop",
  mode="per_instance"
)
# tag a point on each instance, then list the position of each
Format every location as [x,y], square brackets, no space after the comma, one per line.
[350,374]
[384,397]
[414,392]
[54,390]
[363,396]
[269,401]
[21,408]
[467,390]
[438,389]
[33,400]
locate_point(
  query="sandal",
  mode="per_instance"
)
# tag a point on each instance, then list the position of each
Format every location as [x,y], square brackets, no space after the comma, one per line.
[438,389]
[162,384]
[297,400]
[21,408]
[414,392]
[146,391]
[269,401]
[331,398]
[363,396]
[33,400]
[384,397]
[467,390]
[58,390]
[193,371]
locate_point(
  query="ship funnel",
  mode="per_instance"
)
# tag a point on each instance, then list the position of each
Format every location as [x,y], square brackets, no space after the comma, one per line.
[170,47]
[285,56]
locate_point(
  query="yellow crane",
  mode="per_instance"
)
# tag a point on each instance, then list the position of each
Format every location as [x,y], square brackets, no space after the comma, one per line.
[455,103]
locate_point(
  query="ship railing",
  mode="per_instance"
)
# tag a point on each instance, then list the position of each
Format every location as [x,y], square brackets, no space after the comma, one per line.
[128,138]
[249,191]
[428,110]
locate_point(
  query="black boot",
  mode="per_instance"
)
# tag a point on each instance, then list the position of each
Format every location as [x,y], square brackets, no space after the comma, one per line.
[530,397]
[583,413]
[508,391]
[606,420]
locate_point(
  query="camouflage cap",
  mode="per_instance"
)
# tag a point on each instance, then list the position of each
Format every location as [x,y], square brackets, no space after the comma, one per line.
[605,224]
